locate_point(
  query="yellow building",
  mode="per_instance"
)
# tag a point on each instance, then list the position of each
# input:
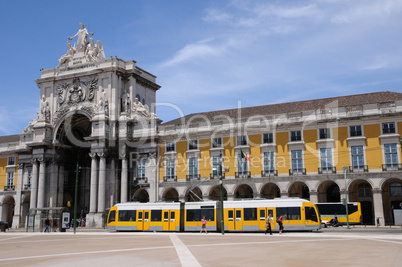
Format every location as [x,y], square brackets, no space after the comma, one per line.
[298,149]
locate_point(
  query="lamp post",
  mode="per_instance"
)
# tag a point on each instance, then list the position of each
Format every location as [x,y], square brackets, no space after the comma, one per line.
[345,170]
[75,197]
[221,191]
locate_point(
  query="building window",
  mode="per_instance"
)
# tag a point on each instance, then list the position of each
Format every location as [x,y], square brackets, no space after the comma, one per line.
[395,189]
[242,140]
[11,161]
[269,165]
[357,157]
[388,128]
[141,168]
[10,180]
[216,167]
[295,136]
[241,163]
[326,159]
[391,156]
[193,166]
[355,130]
[216,142]
[297,161]
[170,147]
[325,133]
[193,144]
[170,168]
[364,190]
[267,138]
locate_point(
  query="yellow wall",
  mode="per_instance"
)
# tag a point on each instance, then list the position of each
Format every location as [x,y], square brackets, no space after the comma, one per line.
[311,155]
[3,172]
[205,159]
[282,156]
[255,154]
[341,151]
[373,146]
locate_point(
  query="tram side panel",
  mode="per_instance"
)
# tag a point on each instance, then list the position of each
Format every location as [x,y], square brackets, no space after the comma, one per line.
[195,211]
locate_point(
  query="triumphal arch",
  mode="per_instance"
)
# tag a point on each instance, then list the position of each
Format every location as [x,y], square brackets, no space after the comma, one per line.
[95,128]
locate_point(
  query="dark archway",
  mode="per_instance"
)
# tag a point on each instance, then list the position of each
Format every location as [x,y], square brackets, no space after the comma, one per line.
[243,191]
[392,198]
[215,193]
[270,191]
[299,189]
[171,194]
[141,195]
[193,195]
[328,191]
[8,210]
[361,191]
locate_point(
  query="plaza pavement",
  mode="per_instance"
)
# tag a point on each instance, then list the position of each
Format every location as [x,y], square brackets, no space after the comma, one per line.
[358,246]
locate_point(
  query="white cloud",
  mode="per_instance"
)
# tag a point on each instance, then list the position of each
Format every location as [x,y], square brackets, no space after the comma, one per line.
[214,15]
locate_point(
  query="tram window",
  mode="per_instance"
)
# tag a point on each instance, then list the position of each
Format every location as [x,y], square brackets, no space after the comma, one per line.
[250,214]
[230,215]
[166,216]
[156,215]
[238,215]
[208,213]
[311,214]
[172,214]
[146,215]
[291,213]
[262,214]
[140,216]
[112,216]
[127,215]
[193,215]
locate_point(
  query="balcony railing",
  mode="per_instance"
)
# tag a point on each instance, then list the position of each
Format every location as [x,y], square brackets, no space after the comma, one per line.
[170,178]
[142,180]
[216,176]
[392,167]
[27,186]
[193,177]
[326,170]
[267,173]
[9,188]
[360,168]
[244,174]
[300,171]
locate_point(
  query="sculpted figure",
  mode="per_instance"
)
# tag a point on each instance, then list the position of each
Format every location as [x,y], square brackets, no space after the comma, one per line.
[90,49]
[82,38]
[44,109]
[125,102]
[69,55]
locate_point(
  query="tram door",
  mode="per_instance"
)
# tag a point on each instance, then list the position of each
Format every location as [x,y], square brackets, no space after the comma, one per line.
[235,219]
[264,215]
[169,220]
[143,220]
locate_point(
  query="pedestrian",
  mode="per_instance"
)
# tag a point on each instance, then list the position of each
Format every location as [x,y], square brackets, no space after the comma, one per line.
[204,225]
[268,225]
[47,223]
[280,222]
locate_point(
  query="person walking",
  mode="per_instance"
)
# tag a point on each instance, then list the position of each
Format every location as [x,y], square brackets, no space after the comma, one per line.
[204,225]
[47,223]
[280,222]
[268,225]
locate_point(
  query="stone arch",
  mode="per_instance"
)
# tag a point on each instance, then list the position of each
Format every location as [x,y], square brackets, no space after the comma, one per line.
[79,122]
[391,197]
[141,195]
[195,194]
[270,191]
[215,193]
[360,190]
[299,189]
[25,209]
[328,191]
[243,191]
[170,194]
[8,209]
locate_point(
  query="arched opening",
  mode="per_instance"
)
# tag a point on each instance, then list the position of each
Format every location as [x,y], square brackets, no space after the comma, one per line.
[243,191]
[141,195]
[8,210]
[361,191]
[270,191]
[193,194]
[25,209]
[171,194]
[215,193]
[299,189]
[328,191]
[392,198]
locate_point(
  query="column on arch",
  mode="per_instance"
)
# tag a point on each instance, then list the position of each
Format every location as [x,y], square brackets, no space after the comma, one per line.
[102,182]
[41,183]
[60,186]
[378,206]
[94,183]
[34,186]
[124,179]
[20,184]
[54,177]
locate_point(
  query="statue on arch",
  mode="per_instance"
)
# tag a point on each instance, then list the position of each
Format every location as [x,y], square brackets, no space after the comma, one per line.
[67,56]
[82,38]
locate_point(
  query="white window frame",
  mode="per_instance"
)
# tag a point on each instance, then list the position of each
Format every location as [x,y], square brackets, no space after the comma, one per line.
[273,138]
[239,139]
[219,145]
[388,123]
[167,145]
[301,136]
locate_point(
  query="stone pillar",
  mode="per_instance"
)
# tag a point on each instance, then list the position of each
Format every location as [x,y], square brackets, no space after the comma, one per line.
[53,183]
[151,171]
[34,185]
[60,187]
[41,183]
[102,183]
[94,183]
[314,196]
[378,207]
[124,179]
[230,197]
[17,209]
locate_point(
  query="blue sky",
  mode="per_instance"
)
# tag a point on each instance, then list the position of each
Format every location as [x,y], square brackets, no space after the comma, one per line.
[208,55]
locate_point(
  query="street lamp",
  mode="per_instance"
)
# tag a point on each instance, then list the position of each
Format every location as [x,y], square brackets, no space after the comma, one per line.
[345,171]
[221,191]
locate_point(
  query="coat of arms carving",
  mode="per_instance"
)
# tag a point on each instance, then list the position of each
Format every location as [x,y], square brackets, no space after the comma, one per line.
[77,91]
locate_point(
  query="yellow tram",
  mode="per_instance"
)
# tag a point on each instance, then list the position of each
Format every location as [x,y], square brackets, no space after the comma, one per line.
[241,216]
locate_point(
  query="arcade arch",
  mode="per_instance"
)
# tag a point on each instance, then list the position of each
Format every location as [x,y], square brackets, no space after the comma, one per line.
[8,209]
[193,194]
[328,191]
[215,193]
[243,191]
[392,198]
[299,189]
[361,191]
[141,195]
[170,194]
[270,191]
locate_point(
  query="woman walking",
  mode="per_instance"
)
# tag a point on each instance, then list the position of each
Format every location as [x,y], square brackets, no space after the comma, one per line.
[204,225]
